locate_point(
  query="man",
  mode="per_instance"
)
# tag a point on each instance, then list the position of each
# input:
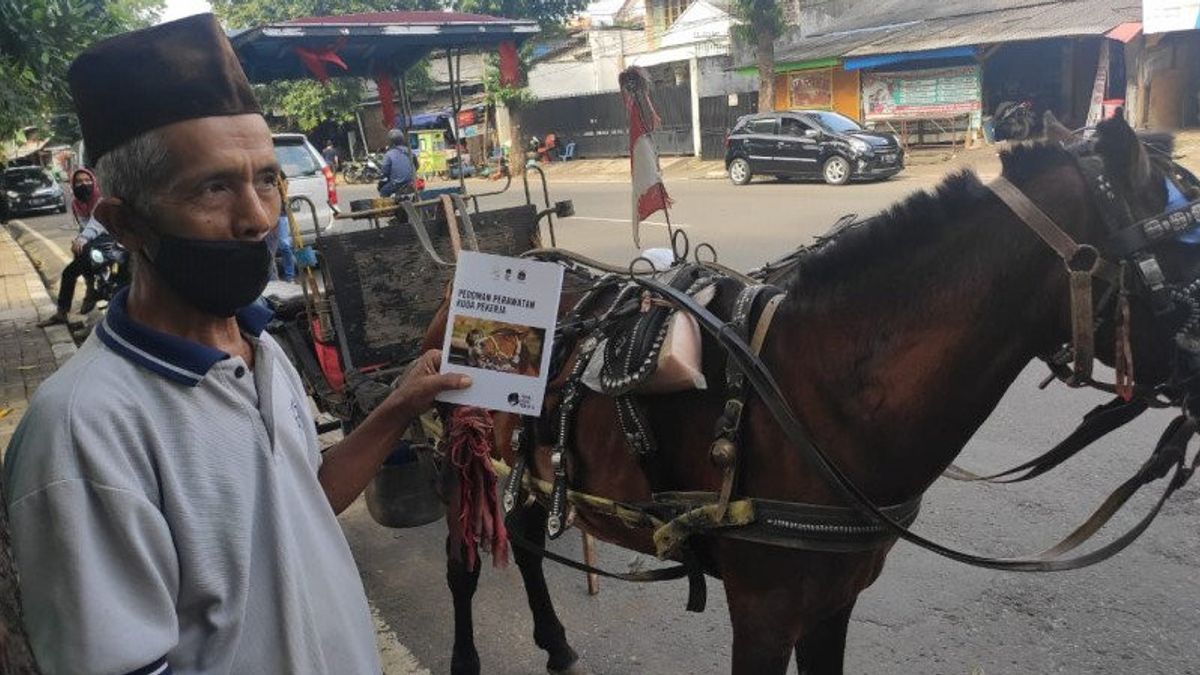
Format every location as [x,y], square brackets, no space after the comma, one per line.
[331,156]
[170,510]
[399,166]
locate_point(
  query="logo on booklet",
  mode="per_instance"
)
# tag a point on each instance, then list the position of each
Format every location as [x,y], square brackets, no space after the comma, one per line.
[519,400]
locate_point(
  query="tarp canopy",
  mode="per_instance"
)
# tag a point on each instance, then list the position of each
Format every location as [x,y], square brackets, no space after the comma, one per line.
[368,45]
[877,60]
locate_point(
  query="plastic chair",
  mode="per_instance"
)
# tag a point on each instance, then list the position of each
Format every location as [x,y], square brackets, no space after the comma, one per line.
[568,152]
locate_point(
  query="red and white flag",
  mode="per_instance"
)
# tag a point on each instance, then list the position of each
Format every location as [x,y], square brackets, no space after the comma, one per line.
[649,194]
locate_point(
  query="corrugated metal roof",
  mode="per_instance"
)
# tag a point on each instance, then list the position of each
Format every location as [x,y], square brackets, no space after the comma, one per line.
[820,17]
[1059,19]
[1065,18]
[794,48]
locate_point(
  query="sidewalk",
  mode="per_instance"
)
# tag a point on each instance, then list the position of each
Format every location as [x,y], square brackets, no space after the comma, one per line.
[28,354]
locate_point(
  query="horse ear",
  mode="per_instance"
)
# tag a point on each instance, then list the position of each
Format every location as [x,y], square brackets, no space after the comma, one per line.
[1122,151]
[1055,131]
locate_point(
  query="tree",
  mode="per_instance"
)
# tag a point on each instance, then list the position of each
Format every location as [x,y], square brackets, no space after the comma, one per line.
[759,23]
[38,41]
[550,15]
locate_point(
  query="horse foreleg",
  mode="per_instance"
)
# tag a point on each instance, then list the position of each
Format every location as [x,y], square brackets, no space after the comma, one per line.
[462,582]
[765,627]
[822,649]
[548,632]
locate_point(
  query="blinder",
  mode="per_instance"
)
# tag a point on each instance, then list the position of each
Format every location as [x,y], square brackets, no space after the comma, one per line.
[1132,243]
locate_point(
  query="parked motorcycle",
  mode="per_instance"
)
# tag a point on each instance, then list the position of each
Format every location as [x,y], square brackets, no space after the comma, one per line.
[1014,120]
[365,171]
[109,265]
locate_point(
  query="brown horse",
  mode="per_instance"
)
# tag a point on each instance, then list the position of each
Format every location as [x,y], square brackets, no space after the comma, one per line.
[506,349]
[897,339]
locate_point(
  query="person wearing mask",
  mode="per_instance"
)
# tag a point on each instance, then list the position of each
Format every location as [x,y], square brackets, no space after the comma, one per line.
[169,505]
[86,194]
[399,166]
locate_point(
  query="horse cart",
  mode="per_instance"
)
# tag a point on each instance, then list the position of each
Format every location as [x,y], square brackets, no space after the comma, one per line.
[372,277]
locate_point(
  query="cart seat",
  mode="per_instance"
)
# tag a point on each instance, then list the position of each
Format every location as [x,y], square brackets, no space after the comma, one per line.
[385,287]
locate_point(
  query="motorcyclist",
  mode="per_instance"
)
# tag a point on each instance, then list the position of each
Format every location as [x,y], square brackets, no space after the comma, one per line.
[399,166]
[86,191]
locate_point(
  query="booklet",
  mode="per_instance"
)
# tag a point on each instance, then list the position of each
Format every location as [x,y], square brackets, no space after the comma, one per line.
[501,330]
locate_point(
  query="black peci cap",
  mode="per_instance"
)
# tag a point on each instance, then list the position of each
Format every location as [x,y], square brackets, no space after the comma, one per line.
[139,81]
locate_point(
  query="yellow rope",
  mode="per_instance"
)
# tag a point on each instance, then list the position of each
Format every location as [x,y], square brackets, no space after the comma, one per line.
[703,512]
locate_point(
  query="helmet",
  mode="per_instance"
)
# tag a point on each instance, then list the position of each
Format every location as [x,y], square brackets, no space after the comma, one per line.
[395,136]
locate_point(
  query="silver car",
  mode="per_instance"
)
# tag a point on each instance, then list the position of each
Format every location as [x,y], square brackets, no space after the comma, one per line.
[307,175]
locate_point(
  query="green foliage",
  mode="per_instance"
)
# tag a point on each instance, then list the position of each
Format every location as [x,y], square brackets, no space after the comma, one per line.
[308,103]
[512,97]
[548,13]
[250,13]
[757,17]
[38,41]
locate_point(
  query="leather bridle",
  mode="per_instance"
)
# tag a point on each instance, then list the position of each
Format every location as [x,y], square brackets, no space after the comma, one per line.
[1129,242]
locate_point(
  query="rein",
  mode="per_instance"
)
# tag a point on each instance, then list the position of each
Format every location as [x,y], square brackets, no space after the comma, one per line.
[1170,452]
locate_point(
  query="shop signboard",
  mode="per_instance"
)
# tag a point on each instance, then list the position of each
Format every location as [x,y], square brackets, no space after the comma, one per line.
[1162,16]
[921,94]
[811,89]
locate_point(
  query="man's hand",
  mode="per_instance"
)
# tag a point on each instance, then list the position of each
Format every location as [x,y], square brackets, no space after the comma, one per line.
[350,465]
[417,387]
[77,246]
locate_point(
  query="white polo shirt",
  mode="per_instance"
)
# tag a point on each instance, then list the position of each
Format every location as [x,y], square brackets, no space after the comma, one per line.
[165,512]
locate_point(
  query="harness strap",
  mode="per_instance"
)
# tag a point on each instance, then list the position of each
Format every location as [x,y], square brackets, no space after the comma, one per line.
[724,450]
[1097,424]
[764,323]
[1171,451]
[1083,262]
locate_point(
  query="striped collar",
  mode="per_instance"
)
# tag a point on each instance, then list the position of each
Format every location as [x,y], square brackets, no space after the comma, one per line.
[171,356]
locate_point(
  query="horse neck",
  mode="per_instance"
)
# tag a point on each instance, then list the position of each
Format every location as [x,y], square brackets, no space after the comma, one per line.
[895,367]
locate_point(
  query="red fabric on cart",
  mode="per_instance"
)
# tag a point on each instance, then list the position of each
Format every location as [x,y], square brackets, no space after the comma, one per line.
[476,519]
[331,365]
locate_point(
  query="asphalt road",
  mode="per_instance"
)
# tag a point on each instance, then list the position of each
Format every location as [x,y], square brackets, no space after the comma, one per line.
[1139,613]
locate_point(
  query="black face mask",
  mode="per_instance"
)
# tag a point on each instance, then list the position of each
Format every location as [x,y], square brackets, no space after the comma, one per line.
[83,192]
[216,277]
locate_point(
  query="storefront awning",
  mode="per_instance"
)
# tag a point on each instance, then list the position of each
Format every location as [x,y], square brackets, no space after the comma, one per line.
[877,60]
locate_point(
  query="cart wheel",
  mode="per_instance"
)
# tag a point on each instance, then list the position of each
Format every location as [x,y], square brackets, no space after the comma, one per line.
[739,171]
[836,171]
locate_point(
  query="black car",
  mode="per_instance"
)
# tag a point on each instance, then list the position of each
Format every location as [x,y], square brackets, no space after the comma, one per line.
[809,144]
[32,188]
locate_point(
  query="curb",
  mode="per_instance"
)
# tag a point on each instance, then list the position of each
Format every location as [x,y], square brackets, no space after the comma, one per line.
[61,343]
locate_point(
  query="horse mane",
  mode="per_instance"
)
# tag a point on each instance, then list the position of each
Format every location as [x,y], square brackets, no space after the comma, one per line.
[923,218]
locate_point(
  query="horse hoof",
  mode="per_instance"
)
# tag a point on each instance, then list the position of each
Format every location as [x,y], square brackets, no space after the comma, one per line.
[576,668]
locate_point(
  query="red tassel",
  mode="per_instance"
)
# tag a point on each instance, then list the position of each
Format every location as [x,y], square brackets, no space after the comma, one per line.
[477,521]
[510,75]
[315,59]
[387,105]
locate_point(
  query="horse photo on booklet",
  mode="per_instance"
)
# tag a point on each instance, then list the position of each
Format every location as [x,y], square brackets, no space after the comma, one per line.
[495,345]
